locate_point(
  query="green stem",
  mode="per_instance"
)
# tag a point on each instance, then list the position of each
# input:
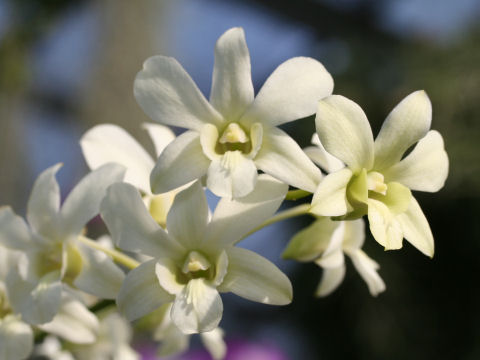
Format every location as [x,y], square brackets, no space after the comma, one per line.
[117,256]
[102,305]
[282,215]
[297,194]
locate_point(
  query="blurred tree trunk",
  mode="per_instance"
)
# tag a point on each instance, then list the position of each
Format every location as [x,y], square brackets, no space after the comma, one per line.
[13,167]
[128,37]
[13,160]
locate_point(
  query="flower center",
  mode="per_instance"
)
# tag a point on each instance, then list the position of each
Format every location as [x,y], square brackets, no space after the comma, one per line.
[74,264]
[218,141]
[376,182]
[57,258]
[233,134]
[49,260]
[197,265]
[233,138]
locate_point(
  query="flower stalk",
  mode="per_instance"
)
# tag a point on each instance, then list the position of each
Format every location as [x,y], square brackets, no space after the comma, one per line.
[282,215]
[117,256]
[297,194]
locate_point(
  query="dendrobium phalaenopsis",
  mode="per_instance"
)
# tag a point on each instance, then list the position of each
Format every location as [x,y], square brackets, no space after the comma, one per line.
[195,258]
[377,180]
[16,337]
[235,134]
[73,321]
[112,343]
[53,257]
[325,242]
[108,143]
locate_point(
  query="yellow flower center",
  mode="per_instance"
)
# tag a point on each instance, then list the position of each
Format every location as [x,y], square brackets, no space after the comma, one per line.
[49,260]
[364,186]
[196,265]
[52,260]
[233,134]
[233,138]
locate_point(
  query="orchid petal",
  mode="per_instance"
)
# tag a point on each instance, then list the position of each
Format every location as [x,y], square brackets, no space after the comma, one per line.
[132,227]
[397,198]
[367,268]
[333,256]
[188,217]
[208,140]
[354,234]
[321,157]
[38,303]
[99,275]
[16,338]
[213,341]
[311,242]
[44,202]
[255,278]
[107,143]
[173,341]
[384,226]
[74,322]
[198,308]
[345,132]
[233,175]
[408,122]
[425,168]
[330,198]
[141,292]
[281,157]
[416,229]
[14,232]
[291,92]
[331,279]
[160,135]
[83,203]
[168,95]
[166,271]
[233,219]
[182,161]
[232,88]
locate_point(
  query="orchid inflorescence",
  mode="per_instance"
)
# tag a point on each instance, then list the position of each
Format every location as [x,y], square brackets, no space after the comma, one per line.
[179,256]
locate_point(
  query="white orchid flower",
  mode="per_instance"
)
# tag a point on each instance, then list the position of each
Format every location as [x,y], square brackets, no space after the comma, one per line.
[235,134]
[376,180]
[321,157]
[107,143]
[174,341]
[16,337]
[196,259]
[51,348]
[73,321]
[53,256]
[326,242]
[113,342]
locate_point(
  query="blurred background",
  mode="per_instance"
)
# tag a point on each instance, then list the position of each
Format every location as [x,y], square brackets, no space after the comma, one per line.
[66,65]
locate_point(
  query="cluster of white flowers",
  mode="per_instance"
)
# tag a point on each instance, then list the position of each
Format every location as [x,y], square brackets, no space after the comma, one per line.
[179,256]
